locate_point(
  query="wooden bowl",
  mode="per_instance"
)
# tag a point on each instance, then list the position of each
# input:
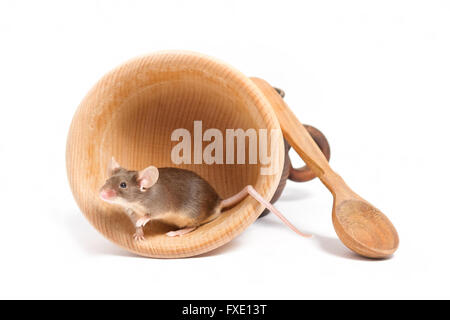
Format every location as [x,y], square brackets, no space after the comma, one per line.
[131,113]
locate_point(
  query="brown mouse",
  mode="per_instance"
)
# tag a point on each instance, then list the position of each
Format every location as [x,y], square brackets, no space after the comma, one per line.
[175,196]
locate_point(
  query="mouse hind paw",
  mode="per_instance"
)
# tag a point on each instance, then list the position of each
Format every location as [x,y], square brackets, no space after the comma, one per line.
[180,232]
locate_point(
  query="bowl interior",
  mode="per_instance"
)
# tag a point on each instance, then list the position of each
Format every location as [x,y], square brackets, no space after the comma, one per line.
[140,131]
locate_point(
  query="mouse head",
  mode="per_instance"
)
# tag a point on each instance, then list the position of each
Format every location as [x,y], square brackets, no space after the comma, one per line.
[124,186]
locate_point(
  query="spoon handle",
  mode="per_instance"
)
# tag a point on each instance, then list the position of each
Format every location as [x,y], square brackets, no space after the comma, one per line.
[295,133]
[298,137]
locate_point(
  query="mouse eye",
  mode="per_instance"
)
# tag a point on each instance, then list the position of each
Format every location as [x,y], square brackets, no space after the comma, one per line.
[123,185]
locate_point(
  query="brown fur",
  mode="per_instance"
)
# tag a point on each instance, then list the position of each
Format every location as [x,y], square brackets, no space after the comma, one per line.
[179,197]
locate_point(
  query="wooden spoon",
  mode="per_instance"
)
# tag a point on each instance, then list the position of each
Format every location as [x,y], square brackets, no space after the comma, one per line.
[360,226]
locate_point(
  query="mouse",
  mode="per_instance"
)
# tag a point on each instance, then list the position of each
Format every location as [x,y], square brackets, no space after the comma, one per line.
[174,196]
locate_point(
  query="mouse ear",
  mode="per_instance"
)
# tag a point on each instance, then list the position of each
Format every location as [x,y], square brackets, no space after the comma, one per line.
[148,177]
[113,166]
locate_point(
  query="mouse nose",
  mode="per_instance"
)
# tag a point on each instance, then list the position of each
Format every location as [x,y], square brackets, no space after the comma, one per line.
[107,194]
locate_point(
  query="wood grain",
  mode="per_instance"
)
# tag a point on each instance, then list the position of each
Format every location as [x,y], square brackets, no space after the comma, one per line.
[130,114]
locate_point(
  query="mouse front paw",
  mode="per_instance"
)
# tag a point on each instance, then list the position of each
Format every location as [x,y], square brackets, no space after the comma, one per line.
[138,236]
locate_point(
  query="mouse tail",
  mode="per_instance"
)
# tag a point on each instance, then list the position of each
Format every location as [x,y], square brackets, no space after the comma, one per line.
[250,191]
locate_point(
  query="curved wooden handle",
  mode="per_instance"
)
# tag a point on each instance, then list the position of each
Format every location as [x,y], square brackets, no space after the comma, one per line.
[296,134]
[304,173]
[298,137]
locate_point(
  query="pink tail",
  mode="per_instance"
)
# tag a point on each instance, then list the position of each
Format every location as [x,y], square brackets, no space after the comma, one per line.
[249,190]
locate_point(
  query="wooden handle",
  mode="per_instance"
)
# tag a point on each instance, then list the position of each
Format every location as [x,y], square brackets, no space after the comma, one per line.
[298,137]
[304,174]
[295,133]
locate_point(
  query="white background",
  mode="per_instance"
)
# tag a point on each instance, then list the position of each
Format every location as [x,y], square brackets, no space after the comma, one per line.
[374,76]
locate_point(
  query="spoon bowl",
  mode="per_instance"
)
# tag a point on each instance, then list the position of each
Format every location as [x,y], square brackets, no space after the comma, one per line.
[364,229]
